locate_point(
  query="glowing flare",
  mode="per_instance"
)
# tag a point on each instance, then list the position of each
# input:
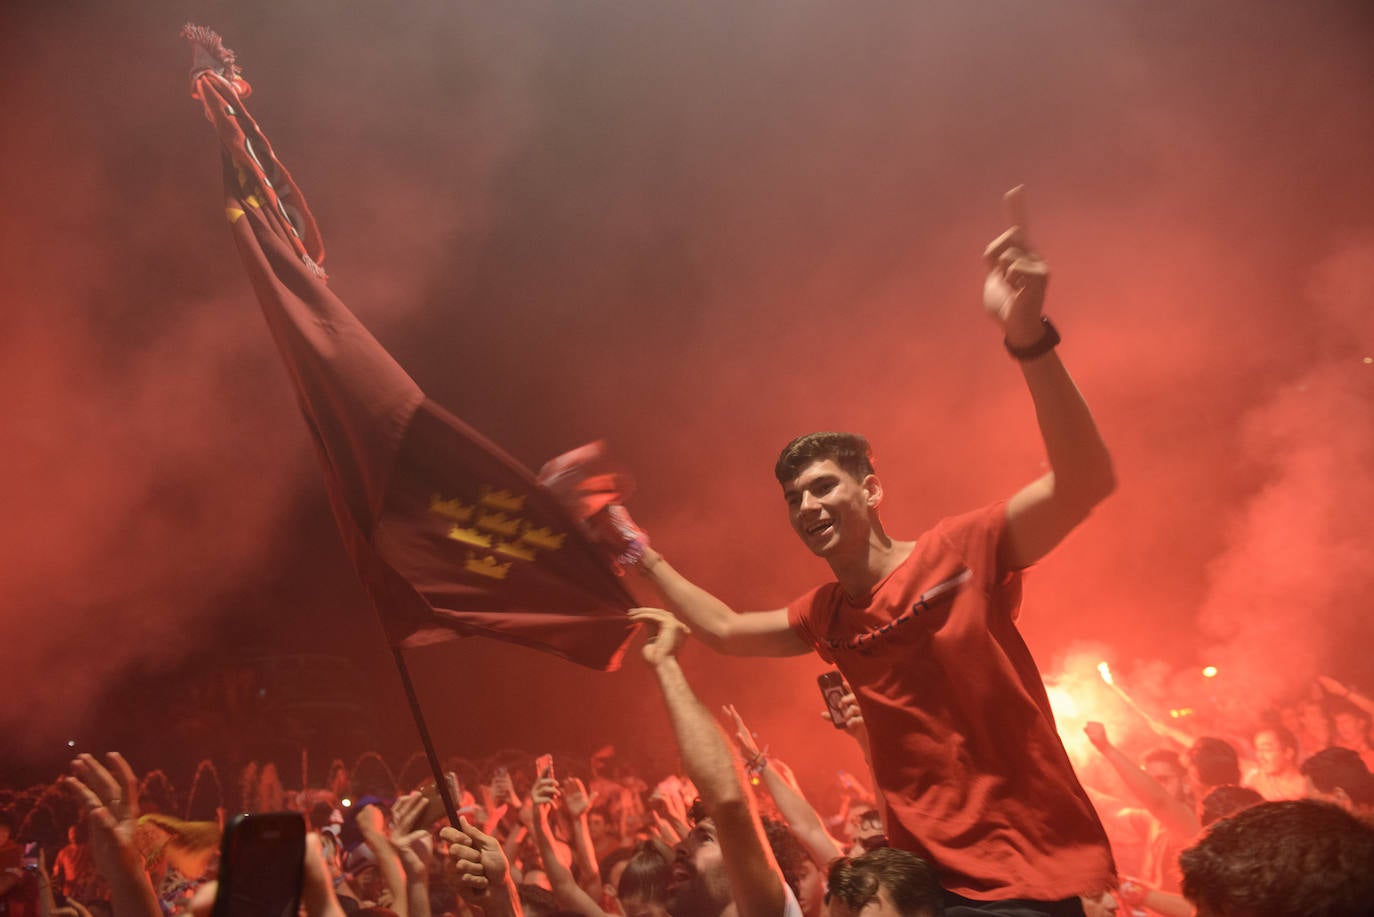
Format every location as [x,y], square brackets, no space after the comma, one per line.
[1209,672]
[345,802]
[1106,672]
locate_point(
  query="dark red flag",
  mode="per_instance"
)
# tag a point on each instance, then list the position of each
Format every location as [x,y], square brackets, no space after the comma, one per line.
[451,536]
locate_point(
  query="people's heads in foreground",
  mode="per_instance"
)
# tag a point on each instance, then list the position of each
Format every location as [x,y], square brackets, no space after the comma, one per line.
[885,882]
[1212,762]
[1225,801]
[1280,859]
[1339,776]
[642,883]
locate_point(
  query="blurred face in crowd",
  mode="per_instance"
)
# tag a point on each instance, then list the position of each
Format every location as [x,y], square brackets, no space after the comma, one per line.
[1169,777]
[1352,730]
[698,887]
[1271,755]
[811,890]
[1314,722]
[642,906]
[1103,905]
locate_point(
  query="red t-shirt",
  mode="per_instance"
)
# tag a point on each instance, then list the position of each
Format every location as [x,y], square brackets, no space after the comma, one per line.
[965,752]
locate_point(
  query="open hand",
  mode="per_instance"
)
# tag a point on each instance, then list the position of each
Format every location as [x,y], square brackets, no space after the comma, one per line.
[412,842]
[109,798]
[748,741]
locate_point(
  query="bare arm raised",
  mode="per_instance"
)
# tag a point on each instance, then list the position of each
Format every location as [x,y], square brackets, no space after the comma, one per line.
[761,633]
[754,879]
[1042,513]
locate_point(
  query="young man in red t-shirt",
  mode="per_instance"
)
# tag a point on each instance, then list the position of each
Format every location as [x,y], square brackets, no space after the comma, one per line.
[971,771]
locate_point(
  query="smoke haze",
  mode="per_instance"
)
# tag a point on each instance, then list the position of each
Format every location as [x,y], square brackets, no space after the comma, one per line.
[695,230]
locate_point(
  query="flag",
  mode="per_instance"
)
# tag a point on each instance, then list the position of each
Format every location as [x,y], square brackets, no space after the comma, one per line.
[450,535]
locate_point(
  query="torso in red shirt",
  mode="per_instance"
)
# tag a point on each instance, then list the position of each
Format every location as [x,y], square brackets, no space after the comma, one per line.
[965,752]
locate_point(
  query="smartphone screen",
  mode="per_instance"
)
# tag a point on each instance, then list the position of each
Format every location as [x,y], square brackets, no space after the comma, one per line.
[833,689]
[543,766]
[261,861]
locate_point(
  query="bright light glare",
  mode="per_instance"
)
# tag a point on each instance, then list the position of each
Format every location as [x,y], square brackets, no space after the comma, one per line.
[345,802]
[1106,672]
[1062,702]
[1209,672]
[71,743]
[1179,713]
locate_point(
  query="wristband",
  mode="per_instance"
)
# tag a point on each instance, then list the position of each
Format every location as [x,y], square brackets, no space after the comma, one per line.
[1049,340]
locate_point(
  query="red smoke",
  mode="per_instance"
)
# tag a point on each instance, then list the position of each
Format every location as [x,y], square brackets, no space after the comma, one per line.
[697,231]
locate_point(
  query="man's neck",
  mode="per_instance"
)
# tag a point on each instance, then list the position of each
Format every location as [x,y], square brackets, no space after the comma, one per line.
[859,572]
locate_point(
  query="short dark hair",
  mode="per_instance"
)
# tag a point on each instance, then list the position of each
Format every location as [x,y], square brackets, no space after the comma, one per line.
[1215,761]
[1280,859]
[1163,756]
[910,882]
[848,450]
[1336,767]
[1227,800]
[789,852]
[1286,738]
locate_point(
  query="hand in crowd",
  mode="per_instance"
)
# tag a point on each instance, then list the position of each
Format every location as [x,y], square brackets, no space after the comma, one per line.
[1097,734]
[411,840]
[1014,291]
[575,797]
[851,719]
[46,906]
[110,802]
[747,739]
[666,634]
[475,859]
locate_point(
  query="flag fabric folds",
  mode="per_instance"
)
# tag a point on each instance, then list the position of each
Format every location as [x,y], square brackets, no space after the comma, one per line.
[450,535]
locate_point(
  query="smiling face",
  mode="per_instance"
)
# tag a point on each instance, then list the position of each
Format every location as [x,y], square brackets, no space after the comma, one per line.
[830,510]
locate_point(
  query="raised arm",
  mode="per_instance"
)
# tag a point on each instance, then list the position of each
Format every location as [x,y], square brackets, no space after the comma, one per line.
[566,891]
[761,633]
[755,881]
[1042,513]
[792,804]
[1178,818]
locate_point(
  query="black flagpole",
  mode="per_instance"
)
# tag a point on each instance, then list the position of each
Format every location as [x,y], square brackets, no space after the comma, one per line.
[440,781]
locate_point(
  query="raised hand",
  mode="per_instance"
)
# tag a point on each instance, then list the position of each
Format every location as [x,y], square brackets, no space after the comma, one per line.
[475,859]
[412,841]
[1014,290]
[1097,734]
[851,719]
[109,798]
[748,744]
[666,634]
[575,797]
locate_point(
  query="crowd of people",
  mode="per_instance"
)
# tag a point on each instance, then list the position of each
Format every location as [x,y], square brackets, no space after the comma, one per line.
[975,806]
[602,837]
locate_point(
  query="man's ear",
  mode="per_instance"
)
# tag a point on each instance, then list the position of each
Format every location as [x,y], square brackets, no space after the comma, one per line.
[1342,799]
[873,490]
